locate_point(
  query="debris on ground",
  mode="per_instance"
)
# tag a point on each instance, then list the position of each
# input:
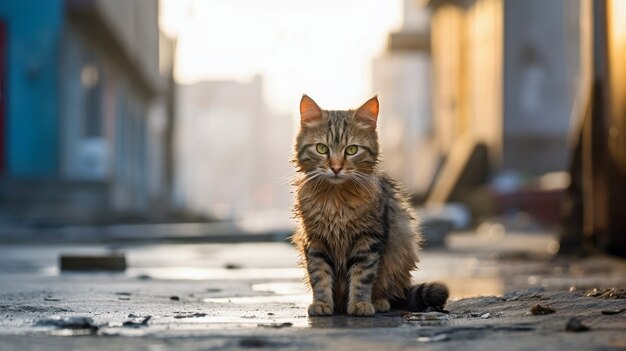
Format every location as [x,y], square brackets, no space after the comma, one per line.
[276,325]
[531,293]
[574,325]
[436,309]
[174,298]
[68,323]
[136,322]
[540,309]
[612,293]
[232,266]
[194,315]
[51,299]
[426,316]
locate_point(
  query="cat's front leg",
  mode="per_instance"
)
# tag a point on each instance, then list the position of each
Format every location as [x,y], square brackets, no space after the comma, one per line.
[321,274]
[362,268]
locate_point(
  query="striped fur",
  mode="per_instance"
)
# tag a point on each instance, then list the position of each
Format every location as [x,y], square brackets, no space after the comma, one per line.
[421,296]
[358,236]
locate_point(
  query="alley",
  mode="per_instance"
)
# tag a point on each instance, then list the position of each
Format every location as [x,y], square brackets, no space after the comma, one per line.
[235,296]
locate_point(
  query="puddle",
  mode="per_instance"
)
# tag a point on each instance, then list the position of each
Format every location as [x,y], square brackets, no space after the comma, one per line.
[231,322]
[299,300]
[387,320]
[282,288]
[196,273]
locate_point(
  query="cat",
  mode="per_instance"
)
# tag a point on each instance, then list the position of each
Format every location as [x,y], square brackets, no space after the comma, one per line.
[358,237]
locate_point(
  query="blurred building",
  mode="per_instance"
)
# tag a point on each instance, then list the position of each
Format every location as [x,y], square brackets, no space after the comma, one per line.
[506,74]
[84,110]
[401,75]
[233,153]
[533,87]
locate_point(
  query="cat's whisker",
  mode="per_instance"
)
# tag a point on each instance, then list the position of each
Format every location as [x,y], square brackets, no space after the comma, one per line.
[311,177]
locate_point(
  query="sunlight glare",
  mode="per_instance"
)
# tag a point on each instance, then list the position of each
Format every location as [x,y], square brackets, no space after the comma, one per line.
[322,48]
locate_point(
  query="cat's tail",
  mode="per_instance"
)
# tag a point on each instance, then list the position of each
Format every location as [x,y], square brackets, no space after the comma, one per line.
[421,296]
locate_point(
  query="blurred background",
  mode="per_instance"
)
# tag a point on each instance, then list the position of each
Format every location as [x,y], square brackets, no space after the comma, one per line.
[143,119]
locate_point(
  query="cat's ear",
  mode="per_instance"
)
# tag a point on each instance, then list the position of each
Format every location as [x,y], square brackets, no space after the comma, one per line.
[368,113]
[310,113]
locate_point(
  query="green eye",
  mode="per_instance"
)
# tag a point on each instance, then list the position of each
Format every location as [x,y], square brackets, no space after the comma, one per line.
[352,149]
[321,148]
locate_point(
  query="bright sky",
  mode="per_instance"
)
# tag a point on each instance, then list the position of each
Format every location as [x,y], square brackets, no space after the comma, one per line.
[323,48]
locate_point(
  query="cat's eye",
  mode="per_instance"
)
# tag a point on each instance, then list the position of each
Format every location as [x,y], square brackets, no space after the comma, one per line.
[321,148]
[352,149]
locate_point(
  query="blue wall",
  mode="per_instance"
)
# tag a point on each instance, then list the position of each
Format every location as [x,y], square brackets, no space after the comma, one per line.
[32,115]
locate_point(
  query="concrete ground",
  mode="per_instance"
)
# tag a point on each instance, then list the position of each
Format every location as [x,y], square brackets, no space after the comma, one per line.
[247,296]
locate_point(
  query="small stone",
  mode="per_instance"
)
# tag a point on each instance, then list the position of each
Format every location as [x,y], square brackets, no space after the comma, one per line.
[232,266]
[270,314]
[486,315]
[612,312]
[539,309]
[574,325]
[174,298]
[434,338]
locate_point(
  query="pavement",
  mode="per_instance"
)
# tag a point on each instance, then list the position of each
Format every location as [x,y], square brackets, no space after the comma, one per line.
[251,296]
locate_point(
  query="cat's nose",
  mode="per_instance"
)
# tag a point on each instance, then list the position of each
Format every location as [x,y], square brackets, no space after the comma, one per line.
[336,169]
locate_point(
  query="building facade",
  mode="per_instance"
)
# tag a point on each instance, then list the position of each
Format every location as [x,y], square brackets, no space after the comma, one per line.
[84,107]
[506,74]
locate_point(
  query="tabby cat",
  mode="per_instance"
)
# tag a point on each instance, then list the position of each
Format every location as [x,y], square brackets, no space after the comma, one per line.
[358,237]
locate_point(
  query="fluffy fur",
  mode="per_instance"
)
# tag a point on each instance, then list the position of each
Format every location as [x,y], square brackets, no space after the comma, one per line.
[358,236]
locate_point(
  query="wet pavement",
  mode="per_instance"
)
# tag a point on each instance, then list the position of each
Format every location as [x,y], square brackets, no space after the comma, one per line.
[243,296]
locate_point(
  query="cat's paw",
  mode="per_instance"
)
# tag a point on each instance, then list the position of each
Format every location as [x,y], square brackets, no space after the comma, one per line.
[382,305]
[318,308]
[361,308]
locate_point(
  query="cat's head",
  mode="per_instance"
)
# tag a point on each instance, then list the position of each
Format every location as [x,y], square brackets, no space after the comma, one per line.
[336,146]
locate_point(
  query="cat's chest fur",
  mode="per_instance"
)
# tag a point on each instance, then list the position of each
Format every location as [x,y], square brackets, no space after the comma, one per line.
[338,214]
